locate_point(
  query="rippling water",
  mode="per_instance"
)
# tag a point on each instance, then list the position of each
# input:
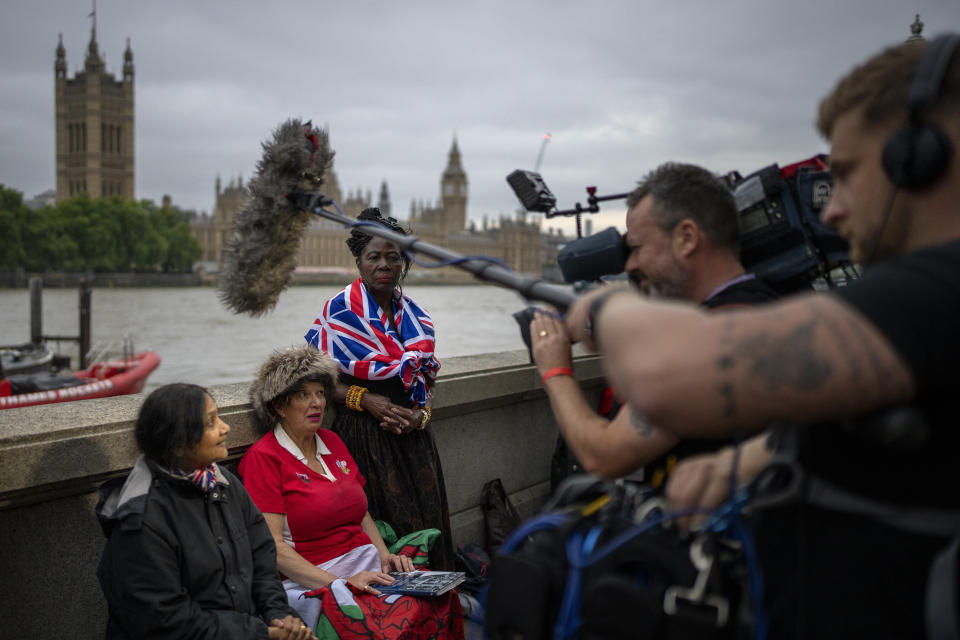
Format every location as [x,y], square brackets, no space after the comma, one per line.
[200,341]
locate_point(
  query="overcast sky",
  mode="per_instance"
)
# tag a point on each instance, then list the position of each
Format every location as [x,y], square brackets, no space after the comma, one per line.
[621,85]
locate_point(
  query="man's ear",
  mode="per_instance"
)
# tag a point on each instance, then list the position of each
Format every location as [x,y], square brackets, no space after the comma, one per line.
[686,237]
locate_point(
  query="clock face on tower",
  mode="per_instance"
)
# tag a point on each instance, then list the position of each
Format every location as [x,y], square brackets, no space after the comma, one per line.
[448,189]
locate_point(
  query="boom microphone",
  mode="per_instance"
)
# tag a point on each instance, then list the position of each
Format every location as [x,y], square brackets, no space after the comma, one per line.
[283,196]
[260,257]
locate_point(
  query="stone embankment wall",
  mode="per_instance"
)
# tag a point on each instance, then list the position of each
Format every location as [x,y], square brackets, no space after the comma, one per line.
[63,279]
[55,279]
[491,420]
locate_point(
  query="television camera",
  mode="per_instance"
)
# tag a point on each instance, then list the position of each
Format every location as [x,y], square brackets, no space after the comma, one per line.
[782,239]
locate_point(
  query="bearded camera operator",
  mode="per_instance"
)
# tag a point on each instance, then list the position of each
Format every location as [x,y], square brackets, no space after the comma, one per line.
[879,496]
[683,242]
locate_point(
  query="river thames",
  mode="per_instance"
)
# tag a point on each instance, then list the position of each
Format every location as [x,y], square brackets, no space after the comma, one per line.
[200,341]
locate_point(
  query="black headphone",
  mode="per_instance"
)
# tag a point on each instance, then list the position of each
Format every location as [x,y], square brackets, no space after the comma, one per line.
[917,154]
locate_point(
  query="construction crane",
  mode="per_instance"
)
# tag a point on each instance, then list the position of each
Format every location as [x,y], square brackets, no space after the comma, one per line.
[521,212]
[543,147]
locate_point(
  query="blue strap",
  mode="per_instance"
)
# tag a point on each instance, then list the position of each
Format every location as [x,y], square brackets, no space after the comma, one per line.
[528,528]
[579,548]
[742,533]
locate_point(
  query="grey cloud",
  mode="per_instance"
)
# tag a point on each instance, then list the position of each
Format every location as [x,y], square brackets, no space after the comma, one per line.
[622,85]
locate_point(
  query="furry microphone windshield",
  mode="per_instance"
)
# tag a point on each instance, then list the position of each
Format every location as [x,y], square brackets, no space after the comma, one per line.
[259,259]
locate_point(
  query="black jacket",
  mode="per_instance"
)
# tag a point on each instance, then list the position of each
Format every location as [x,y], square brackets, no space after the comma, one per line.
[181,564]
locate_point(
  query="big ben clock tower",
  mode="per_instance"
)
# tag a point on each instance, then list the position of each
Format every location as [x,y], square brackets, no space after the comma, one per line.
[453,193]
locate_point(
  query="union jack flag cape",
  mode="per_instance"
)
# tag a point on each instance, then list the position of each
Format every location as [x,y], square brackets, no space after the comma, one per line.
[353,330]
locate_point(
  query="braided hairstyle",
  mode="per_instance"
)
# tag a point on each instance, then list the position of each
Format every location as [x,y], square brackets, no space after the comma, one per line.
[358,238]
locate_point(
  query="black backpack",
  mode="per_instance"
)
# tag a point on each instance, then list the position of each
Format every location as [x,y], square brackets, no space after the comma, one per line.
[586,568]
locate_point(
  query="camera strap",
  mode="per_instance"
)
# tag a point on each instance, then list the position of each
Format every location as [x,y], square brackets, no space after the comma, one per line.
[785,481]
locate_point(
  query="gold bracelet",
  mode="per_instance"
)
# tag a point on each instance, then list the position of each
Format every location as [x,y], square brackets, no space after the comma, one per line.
[354,395]
[426,418]
[357,395]
[362,390]
[351,392]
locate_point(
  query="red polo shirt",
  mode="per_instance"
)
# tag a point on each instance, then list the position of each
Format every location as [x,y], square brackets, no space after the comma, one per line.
[322,514]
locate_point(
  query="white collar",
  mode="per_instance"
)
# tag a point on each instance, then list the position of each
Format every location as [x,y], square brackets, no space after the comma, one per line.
[287,443]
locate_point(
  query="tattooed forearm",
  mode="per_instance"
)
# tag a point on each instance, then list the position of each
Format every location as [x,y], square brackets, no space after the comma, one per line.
[814,351]
[876,379]
[850,335]
[789,360]
[725,362]
[637,421]
[865,371]
[775,361]
[729,400]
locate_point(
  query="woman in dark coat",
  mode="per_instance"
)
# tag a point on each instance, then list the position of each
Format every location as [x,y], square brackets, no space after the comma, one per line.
[189,555]
[383,343]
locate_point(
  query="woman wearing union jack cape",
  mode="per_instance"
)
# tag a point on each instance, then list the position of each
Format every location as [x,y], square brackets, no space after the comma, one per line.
[383,343]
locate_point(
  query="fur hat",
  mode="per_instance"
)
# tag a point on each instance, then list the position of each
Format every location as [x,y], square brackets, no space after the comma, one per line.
[281,372]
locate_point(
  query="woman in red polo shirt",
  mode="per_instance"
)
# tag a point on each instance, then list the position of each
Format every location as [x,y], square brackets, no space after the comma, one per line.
[310,491]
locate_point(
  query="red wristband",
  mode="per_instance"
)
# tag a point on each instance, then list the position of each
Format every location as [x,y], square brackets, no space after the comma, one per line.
[557,371]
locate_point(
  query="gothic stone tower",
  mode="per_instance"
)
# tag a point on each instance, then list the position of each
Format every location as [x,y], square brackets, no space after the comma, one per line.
[94,126]
[453,193]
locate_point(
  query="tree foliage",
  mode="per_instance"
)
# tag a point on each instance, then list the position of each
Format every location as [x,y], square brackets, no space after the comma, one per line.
[97,234]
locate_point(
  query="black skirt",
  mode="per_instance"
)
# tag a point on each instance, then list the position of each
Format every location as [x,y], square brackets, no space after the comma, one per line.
[404,479]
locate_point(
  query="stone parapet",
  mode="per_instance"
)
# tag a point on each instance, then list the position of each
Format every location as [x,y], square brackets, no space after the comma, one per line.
[491,420]
[63,279]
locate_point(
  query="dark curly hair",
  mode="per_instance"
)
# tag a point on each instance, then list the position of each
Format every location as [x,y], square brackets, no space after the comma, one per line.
[358,238]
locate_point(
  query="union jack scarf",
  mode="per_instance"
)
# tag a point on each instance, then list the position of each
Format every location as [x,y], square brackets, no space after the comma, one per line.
[205,479]
[353,330]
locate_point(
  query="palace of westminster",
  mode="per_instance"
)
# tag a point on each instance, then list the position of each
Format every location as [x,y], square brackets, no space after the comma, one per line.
[95,154]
